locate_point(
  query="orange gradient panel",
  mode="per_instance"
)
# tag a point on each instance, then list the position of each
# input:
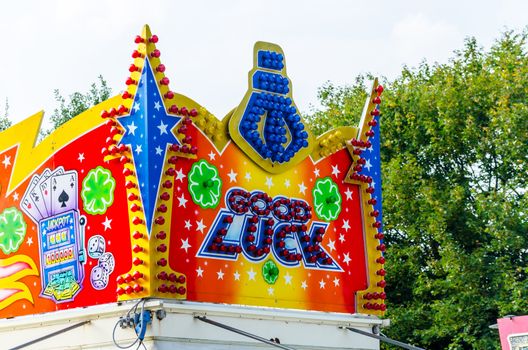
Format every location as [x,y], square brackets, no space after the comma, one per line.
[240,280]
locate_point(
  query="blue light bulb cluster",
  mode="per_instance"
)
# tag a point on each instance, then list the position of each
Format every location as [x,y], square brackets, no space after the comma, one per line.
[271,82]
[280,117]
[270,122]
[270,60]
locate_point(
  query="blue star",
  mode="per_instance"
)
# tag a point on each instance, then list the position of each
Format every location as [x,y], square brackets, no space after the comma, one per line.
[141,135]
[372,168]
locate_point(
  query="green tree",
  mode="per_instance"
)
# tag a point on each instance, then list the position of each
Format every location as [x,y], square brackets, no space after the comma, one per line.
[455,174]
[4,119]
[78,102]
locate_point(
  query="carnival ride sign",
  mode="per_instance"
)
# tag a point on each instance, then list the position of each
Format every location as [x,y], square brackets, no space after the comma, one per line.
[149,195]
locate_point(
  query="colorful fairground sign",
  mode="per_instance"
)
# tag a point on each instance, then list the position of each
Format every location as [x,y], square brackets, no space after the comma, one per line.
[149,195]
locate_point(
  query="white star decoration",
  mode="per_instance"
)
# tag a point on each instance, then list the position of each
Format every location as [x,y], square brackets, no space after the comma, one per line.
[341,238]
[348,194]
[157,105]
[136,107]
[180,175]
[212,155]
[336,281]
[322,284]
[316,172]
[287,278]
[132,128]
[185,244]
[251,274]
[200,226]
[182,201]
[287,183]
[346,258]
[81,157]
[199,272]
[15,196]
[269,182]
[107,224]
[367,165]
[220,275]
[331,245]
[335,170]
[346,225]
[232,176]
[248,176]
[162,128]
[7,161]
[302,188]
[236,275]
[304,285]
[29,241]
[159,151]
[188,224]
[138,149]
[270,291]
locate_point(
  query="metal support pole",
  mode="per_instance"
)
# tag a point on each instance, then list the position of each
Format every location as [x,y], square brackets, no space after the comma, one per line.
[241,332]
[60,331]
[384,339]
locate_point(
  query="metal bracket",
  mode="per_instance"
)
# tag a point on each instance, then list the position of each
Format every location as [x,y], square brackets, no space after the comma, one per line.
[382,338]
[241,332]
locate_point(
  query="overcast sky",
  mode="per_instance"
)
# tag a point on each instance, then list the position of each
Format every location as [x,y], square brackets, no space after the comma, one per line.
[207,45]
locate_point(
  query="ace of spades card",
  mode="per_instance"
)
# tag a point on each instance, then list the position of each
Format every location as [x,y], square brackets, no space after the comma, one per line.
[44,186]
[64,195]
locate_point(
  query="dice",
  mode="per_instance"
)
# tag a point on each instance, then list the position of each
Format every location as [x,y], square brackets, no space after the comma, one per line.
[99,278]
[96,246]
[107,262]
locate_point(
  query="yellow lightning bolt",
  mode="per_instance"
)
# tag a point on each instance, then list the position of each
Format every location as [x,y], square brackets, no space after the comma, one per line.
[24,135]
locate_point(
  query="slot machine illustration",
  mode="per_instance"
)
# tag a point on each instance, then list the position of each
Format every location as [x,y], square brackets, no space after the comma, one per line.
[51,200]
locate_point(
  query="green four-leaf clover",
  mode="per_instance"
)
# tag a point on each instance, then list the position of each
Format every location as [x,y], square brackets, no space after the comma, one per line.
[12,230]
[204,184]
[270,272]
[327,199]
[98,191]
